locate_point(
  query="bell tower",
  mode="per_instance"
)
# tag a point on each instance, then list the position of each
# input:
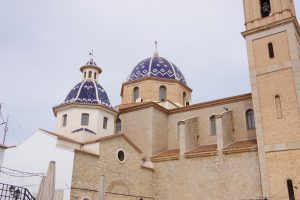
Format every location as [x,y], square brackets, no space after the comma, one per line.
[273,45]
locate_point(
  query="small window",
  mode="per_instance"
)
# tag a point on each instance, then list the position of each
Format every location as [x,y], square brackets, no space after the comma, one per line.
[250,119]
[213,127]
[118,126]
[84,74]
[271,50]
[184,98]
[85,198]
[95,75]
[85,119]
[121,156]
[136,94]
[278,106]
[90,74]
[105,120]
[265,8]
[290,187]
[64,121]
[162,93]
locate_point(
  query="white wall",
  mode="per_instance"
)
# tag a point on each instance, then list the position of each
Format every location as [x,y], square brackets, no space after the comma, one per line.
[34,155]
[74,122]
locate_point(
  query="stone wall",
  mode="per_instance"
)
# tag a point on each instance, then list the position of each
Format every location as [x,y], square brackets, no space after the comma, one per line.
[234,176]
[122,178]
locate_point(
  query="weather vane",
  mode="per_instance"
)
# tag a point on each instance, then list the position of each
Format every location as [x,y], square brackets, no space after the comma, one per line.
[91,53]
[156,43]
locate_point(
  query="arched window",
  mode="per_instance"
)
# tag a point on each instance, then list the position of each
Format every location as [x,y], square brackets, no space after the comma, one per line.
[162,93]
[118,125]
[184,98]
[290,187]
[213,126]
[90,74]
[136,94]
[64,121]
[265,8]
[105,122]
[84,74]
[85,198]
[85,119]
[271,50]
[95,75]
[278,106]
[250,119]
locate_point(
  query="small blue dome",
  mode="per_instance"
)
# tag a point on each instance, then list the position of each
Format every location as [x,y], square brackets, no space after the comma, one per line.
[156,66]
[88,92]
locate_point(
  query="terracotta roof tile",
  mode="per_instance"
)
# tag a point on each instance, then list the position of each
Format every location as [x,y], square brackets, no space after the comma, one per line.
[241,146]
[203,149]
[166,155]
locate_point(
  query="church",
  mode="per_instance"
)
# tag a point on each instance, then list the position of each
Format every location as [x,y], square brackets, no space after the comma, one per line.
[158,145]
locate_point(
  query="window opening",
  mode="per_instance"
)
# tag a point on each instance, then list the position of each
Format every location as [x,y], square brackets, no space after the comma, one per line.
[278,106]
[136,93]
[271,50]
[90,74]
[213,128]
[64,120]
[162,93]
[85,119]
[265,8]
[250,119]
[290,189]
[95,75]
[105,120]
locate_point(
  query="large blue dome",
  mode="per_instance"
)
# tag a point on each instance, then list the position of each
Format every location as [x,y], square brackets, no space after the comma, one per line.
[88,92]
[158,67]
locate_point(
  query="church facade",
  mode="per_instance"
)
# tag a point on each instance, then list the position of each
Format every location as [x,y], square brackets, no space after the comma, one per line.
[158,145]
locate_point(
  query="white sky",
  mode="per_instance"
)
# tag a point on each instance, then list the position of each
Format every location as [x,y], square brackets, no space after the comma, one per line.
[43,43]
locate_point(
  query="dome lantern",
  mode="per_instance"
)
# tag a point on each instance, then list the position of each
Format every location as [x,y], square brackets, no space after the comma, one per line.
[90,71]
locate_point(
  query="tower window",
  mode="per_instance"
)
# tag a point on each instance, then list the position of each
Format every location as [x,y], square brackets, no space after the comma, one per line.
[265,8]
[118,126]
[250,119]
[95,75]
[84,74]
[90,74]
[290,189]
[64,121]
[278,106]
[271,50]
[184,98]
[136,94]
[85,119]
[105,120]
[162,93]
[213,127]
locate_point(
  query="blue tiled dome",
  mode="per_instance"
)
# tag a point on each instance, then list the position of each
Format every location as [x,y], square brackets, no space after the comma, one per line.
[156,66]
[88,92]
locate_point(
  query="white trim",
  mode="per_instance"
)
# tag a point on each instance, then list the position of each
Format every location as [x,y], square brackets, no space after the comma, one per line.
[122,162]
[79,90]
[150,65]
[96,92]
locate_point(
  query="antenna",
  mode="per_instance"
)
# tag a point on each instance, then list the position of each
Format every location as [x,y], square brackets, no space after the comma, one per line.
[91,53]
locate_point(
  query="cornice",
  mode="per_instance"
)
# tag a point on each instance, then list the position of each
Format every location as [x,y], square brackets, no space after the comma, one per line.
[272,25]
[75,104]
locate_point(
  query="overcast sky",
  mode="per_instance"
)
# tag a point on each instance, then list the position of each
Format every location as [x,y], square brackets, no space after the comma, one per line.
[43,43]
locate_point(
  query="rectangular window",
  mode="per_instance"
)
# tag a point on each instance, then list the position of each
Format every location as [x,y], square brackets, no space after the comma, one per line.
[85,119]
[64,121]
[278,106]
[105,120]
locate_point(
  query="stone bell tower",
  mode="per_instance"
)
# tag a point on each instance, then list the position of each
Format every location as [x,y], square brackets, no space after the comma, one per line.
[273,45]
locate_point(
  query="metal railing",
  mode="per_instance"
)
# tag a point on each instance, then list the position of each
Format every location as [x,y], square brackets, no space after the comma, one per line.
[11,192]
